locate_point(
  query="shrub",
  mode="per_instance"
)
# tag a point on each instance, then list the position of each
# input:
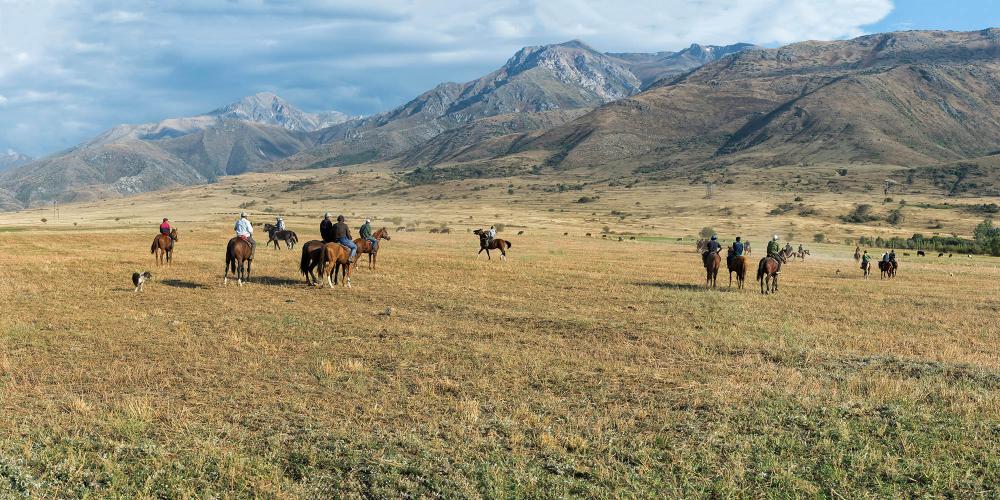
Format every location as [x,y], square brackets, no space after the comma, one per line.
[798,198]
[44,220]
[842,172]
[706,232]
[819,237]
[895,217]
[860,214]
[588,199]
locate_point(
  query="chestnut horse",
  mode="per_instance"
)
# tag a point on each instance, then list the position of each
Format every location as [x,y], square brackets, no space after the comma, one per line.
[163,247]
[239,256]
[767,274]
[365,246]
[331,257]
[737,264]
[712,264]
[496,244]
[888,268]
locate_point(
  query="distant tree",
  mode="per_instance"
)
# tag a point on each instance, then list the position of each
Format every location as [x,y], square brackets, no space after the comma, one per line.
[819,237]
[44,220]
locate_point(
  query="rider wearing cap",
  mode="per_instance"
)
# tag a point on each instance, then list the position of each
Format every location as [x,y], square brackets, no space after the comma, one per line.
[244,230]
[326,229]
[712,247]
[342,235]
[774,250]
[365,231]
[165,226]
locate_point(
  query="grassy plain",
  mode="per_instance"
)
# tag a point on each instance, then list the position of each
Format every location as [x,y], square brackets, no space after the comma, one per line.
[581,366]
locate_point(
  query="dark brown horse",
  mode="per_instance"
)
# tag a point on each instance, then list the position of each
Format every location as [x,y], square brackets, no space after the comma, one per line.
[496,244]
[275,236]
[888,269]
[767,274]
[163,247]
[239,256]
[738,265]
[712,261]
[310,259]
[332,258]
[365,246]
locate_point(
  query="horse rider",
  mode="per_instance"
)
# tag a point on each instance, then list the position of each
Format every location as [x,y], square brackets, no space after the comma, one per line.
[326,229]
[774,250]
[279,224]
[865,259]
[490,234]
[892,256]
[885,257]
[244,230]
[365,231]
[165,227]
[342,235]
[802,249]
[712,247]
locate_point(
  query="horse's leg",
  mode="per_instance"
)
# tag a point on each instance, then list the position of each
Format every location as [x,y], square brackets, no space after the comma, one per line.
[347,276]
[225,275]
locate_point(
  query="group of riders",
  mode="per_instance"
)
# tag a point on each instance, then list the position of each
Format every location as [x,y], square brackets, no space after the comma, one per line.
[887,257]
[331,232]
[739,248]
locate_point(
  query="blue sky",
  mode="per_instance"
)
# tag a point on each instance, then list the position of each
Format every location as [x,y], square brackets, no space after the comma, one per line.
[72,68]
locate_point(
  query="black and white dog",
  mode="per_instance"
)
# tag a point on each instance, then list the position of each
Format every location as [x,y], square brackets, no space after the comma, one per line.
[138,279]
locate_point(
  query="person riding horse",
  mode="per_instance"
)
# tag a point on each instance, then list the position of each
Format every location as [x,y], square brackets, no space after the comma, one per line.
[865,259]
[326,229]
[342,235]
[490,234]
[712,247]
[774,250]
[244,231]
[279,224]
[735,251]
[165,226]
[365,231]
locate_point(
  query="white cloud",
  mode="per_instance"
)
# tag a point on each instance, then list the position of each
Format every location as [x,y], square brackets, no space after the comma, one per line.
[132,60]
[3,100]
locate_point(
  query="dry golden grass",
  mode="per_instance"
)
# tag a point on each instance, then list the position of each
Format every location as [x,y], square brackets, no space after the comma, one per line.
[578,367]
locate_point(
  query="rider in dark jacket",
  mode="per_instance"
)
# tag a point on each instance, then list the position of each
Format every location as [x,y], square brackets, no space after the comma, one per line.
[342,235]
[326,229]
[712,247]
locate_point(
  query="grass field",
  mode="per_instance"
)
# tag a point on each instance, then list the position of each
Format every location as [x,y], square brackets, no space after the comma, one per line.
[581,366]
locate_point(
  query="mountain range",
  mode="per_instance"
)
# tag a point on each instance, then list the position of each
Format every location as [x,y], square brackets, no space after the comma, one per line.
[11,159]
[538,88]
[917,98]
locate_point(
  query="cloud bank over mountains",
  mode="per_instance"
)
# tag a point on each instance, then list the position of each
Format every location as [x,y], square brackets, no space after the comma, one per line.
[72,68]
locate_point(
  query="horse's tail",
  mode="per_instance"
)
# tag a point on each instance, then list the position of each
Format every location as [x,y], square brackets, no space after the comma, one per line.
[152,248]
[295,237]
[322,261]
[304,263]
[230,260]
[760,269]
[508,244]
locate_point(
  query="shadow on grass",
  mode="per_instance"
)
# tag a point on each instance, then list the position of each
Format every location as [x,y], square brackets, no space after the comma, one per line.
[182,284]
[689,287]
[273,280]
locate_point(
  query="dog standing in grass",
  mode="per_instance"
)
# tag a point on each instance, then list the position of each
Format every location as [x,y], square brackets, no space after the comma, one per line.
[138,279]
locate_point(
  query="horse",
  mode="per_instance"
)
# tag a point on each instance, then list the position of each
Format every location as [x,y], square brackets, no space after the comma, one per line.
[746,248]
[274,236]
[857,254]
[331,257]
[163,247]
[921,253]
[737,264]
[867,268]
[767,274]
[239,256]
[802,254]
[496,244]
[786,254]
[365,246]
[712,262]
[310,259]
[888,268]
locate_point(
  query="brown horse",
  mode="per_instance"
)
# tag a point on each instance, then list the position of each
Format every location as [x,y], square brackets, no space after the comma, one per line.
[867,268]
[888,269]
[746,248]
[310,259]
[239,256]
[737,264]
[275,236]
[365,246]
[333,256]
[712,261]
[767,274]
[163,247]
[857,254]
[496,244]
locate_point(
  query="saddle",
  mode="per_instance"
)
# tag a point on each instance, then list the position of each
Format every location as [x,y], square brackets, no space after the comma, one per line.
[244,238]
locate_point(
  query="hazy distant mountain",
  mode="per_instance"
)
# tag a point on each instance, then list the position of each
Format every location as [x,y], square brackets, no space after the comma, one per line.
[127,159]
[11,159]
[917,97]
[565,76]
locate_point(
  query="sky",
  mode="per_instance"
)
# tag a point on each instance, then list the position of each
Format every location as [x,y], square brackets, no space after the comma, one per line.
[70,69]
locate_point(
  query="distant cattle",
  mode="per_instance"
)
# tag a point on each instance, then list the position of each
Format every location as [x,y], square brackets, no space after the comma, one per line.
[565,234]
[588,235]
[905,254]
[519,233]
[941,254]
[920,253]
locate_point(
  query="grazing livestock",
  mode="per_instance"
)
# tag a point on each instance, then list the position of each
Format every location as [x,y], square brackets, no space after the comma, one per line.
[920,253]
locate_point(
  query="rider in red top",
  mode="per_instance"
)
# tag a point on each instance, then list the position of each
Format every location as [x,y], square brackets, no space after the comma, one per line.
[165,227]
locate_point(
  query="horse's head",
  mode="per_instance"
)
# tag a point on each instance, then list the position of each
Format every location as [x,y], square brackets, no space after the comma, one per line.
[478,232]
[173,234]
[382,233]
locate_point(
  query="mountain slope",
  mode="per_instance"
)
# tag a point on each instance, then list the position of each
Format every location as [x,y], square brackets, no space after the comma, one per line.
[11,159]
[913,97]
[541,79]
